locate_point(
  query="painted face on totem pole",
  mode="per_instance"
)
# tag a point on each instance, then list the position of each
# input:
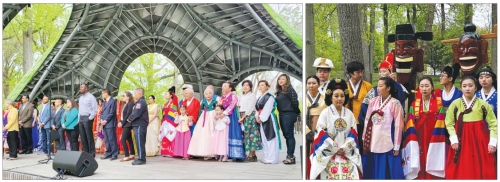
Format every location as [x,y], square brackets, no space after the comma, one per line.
[471,51]
[404,55]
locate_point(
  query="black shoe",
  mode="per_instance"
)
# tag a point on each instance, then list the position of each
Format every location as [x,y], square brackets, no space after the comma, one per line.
[138,162]
[23,152]
[113,158]
[29,152]
[105,157]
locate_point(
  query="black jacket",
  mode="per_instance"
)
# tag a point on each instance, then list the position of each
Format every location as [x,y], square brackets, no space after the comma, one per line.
[126,113]
[139,116]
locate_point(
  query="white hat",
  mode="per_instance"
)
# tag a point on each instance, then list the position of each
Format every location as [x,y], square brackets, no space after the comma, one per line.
[323,63]
[185,86]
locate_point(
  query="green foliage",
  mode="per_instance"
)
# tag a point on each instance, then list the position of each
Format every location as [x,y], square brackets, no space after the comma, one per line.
[289,19]
[153,72]
[47,22]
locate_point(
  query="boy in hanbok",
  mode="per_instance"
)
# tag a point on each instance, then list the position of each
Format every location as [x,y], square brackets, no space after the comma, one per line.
[336,152]
[183,136]
[220,134]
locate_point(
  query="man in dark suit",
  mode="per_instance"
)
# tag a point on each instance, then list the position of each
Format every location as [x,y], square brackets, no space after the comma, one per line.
[108,120]
[140,120]
[56,124]
[26,125]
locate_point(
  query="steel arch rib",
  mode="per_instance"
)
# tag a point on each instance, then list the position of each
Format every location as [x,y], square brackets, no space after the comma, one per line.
[58,54]
[106,28]
[176,45]
[271,33]
[270,68]
[222,35]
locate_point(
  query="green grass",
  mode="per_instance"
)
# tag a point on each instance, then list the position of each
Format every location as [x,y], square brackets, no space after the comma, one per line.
[285,26]
[435,80]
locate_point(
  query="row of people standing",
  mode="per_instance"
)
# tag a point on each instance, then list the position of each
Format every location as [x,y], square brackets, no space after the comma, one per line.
[251,124]
[382,133]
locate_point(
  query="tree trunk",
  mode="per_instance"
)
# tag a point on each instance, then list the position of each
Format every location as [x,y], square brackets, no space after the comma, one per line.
[443,28]
[414,14]
[428,27]
[468,13]
[369,75]
[310,51]
[408,18]
[349,28]
[493,41]
[27,45]
[386,28]
[366,40]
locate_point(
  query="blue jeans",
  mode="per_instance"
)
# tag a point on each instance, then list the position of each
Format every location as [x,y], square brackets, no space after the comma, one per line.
[287,122]
[46,142]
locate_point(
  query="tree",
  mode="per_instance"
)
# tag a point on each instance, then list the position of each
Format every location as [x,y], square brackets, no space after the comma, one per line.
[292,13]
[493,42]
[310,43]
[468,13]
[386,28]
[153,72]
[350,31]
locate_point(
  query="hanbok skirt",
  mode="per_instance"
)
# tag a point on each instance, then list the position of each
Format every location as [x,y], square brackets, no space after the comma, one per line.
[181,144]
[474,161]
[236,148]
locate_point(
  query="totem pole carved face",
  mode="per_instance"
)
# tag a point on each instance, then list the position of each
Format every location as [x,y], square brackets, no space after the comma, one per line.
[470,52]
[408,58]
[405,55]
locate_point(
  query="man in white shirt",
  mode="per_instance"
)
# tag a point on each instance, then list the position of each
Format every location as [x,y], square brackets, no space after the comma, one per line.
[323,67]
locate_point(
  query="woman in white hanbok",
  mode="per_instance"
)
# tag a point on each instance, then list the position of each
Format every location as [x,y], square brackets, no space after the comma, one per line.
[268,124]
[336,155]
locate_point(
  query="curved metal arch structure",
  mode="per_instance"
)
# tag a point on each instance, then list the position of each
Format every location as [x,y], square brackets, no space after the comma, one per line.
[208,43]
[10,11]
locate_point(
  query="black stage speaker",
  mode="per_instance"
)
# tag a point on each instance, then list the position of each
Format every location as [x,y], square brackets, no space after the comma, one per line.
[75,163]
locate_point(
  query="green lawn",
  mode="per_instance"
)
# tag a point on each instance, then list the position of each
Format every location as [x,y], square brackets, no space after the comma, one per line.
[435,80]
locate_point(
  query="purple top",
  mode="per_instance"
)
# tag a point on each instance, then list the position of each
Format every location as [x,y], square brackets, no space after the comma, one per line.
[5,116]
[229,102]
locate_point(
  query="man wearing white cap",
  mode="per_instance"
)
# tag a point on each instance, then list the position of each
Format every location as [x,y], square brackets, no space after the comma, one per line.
[184,92]
[323,68]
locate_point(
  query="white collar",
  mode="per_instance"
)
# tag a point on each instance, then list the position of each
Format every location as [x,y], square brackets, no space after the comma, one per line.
[355,88]
[382,104]
[489,94]
[468,105]
[450,95]
[336,112]
[313,99]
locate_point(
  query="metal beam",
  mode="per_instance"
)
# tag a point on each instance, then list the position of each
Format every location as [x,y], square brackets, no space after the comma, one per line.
[218,33]
[271,33]
[224,16]
[213,55]
[170,8]
[175,44]
[247,34]
[139,21]
[233,68]
[190,36]
[82,59]
[89,79]
[58,54]
[256,68]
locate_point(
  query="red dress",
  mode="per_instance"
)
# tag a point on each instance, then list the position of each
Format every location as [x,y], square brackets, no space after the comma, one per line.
[169,116]
[119,107]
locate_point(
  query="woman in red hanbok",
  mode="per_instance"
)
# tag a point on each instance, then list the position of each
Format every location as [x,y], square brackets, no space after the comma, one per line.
[167,129]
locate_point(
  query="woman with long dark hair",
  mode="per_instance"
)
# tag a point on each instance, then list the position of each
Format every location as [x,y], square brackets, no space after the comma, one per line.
[167,129]
[382,134]
[127,127]
[69,122]
[288,108]
[472,126]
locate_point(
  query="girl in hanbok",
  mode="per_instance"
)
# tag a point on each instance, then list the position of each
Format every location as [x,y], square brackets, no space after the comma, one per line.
[269,129]
[488,81]
[424,147]
[472,126]
[220,139]
[449,93]
[382,134]
[336,152]
[201,140]
[167,130]
[183,136]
